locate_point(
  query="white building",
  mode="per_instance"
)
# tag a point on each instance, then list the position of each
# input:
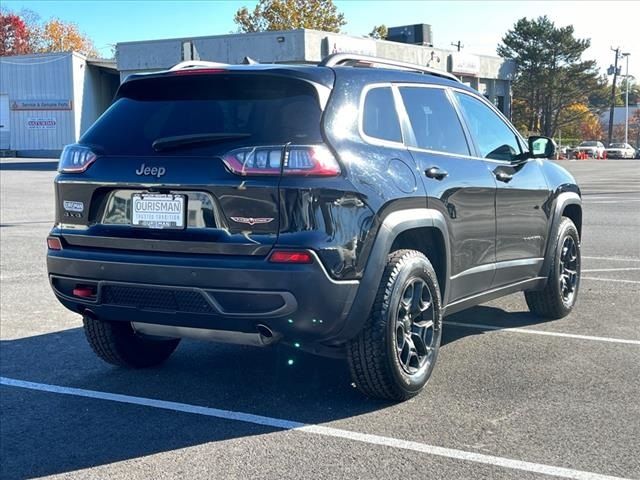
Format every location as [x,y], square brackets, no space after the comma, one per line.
[490,75]
[48,100]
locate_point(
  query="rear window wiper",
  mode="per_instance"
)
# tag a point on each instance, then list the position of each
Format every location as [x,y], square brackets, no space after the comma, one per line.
[169,143]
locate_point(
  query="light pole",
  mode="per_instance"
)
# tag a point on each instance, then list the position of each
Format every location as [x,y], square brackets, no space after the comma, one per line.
[626,100]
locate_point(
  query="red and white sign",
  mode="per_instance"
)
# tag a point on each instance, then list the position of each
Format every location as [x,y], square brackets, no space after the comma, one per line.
[41,123]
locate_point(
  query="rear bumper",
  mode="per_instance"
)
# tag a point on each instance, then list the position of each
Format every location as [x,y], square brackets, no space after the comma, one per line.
[300,302]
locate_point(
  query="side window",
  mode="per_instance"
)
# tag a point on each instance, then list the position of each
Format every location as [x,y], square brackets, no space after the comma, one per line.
[435,123]
[493,137]
[380,119]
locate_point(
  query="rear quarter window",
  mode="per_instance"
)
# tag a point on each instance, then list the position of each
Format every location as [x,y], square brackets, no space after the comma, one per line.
[379,116]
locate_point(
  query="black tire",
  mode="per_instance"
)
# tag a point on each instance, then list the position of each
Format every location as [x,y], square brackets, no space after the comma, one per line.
[553,302]
[117,343]
[377,366]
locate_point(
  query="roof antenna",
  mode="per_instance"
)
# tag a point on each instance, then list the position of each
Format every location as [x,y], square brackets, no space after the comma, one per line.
[249,61]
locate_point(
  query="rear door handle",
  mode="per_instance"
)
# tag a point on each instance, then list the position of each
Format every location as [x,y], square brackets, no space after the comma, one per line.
[435,172]
[504,177]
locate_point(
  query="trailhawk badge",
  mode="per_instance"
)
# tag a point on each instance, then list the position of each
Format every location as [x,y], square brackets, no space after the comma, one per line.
[251,220]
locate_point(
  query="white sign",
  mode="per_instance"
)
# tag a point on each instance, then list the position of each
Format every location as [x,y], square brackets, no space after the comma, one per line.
[465,63]
[41,105]
[41,123]
[344,44]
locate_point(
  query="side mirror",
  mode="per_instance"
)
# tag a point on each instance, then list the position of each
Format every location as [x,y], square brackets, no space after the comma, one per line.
[542,147]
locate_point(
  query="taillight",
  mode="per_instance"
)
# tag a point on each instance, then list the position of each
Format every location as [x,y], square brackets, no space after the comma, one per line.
[299,160]
[76,159]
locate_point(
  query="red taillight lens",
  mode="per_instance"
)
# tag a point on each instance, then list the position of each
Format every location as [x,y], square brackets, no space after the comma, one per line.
[299,160]
[54,243]
[76,159]
[290,257]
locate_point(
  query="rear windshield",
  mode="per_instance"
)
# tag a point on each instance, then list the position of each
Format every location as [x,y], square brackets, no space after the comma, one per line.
[269,109]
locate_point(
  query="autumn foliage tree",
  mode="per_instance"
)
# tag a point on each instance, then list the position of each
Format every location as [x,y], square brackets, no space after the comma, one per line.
[290,15]
[59,36]
[24,32]
[14,35]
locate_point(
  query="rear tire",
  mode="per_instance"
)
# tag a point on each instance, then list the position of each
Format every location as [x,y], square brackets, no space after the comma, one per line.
[561,291]
[393,356]
[118,343]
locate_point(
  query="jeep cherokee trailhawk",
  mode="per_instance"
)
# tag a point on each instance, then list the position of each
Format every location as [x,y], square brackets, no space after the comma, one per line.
[342,210]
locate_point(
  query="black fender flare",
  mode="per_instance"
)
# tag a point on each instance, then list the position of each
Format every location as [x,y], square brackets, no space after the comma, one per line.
[393,225]
[561,202]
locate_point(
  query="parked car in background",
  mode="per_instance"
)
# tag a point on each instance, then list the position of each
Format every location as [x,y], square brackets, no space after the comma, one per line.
[592,148]
[620,150]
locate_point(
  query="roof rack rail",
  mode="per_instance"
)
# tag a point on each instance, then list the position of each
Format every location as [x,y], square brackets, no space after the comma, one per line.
[354,58]
[196,64]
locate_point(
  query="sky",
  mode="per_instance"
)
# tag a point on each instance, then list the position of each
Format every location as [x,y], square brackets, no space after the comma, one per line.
[478,24]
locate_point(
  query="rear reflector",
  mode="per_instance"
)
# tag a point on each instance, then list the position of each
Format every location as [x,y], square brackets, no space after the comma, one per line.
[290,257]
[54,243]
[84,291]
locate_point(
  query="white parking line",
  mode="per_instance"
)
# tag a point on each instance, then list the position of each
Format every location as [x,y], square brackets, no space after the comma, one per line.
[315,429]
[611,269]
[615,280]
[614,259]
[542,332]
[618,201]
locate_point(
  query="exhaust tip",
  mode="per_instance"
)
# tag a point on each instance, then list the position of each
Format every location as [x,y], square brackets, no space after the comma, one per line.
[266,334]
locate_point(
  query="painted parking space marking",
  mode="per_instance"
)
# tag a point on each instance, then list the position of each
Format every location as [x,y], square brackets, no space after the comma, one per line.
[619,201]
[481,326]
[313,429]
[613,259]
[615,280]
[611,269]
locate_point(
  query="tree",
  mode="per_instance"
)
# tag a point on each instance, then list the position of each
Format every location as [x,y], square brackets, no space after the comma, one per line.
[25,33]
[289,15]
[550,73]
[34,26]
[14,36]
[574,118]
[58,36]
[590,127]
[634,92]
[379,32]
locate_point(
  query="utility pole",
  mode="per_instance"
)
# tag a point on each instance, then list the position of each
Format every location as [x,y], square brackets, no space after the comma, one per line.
[458,45]
[626,100]
[613,95]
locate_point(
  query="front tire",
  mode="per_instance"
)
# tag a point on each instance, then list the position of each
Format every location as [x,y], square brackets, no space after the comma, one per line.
[561,291]
[394,355]
[117,343]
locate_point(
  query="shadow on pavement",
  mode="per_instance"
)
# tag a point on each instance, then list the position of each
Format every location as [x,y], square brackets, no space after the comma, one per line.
[50,165]
[45,434]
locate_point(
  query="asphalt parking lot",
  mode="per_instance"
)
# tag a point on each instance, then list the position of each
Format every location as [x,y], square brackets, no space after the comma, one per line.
[512,397]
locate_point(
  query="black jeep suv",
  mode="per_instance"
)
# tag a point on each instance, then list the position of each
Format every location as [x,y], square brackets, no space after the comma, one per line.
[340,210]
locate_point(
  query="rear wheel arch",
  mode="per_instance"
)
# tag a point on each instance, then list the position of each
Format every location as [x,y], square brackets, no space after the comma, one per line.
[430,242]
[391,236]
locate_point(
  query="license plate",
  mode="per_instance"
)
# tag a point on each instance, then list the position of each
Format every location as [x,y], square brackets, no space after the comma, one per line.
[158,211]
